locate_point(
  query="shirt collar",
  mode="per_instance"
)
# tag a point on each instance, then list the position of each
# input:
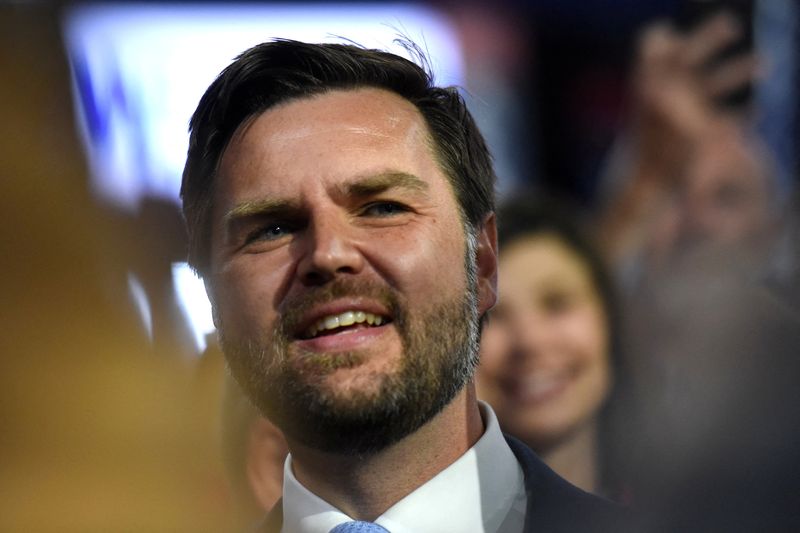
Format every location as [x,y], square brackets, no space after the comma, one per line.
[474,494]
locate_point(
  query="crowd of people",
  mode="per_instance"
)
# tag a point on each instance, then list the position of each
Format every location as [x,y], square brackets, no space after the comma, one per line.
[644,352]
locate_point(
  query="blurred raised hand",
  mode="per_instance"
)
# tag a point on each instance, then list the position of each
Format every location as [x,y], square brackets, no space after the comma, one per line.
[693,172]
[677,86]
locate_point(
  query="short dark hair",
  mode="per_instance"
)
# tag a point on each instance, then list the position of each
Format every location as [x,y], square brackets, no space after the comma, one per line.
[274,72]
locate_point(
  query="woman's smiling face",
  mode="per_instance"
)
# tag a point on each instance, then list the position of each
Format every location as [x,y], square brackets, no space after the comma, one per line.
[545,365]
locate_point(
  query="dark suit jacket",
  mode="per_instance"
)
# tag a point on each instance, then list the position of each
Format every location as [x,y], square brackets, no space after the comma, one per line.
[554,505]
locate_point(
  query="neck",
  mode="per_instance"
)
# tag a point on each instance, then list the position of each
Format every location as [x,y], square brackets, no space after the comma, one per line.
[576,459]
[358,485]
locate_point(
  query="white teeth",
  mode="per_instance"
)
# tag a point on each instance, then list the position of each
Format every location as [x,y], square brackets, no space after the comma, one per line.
[348,318]
[540,385]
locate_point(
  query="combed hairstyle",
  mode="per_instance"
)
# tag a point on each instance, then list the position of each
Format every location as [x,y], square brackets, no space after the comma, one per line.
[275,72]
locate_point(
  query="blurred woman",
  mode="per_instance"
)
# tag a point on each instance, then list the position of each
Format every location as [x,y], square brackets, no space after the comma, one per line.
[549,350]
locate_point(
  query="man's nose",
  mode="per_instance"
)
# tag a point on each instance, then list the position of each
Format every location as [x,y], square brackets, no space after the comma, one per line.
[330,251]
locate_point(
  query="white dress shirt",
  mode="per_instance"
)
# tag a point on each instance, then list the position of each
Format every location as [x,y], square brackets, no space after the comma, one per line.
[483,491]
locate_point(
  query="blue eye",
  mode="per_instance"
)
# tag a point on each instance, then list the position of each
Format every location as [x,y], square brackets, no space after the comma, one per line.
[384,209]
[270,232]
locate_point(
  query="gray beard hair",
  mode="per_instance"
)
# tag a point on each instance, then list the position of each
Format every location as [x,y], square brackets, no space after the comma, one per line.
[440,354]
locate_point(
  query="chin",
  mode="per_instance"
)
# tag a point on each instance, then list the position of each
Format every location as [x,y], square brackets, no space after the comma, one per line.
[342,386]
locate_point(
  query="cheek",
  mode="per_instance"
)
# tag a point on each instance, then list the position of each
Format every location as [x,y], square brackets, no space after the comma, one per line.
[593,349]
[588,335]
[425,266]
[245,296]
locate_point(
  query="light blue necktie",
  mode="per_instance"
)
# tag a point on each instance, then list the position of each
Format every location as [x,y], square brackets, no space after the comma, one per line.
[359,527]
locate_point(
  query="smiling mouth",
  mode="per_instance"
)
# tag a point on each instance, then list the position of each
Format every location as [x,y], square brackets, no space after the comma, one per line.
[341,322]
[535,389]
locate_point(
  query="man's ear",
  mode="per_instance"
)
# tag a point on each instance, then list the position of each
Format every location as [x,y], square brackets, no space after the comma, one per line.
[210,293]
[486,261]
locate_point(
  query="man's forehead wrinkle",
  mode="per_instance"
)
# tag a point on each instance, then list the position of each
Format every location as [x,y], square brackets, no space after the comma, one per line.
[403,113]
[283,133]
[364,130]
[294,133]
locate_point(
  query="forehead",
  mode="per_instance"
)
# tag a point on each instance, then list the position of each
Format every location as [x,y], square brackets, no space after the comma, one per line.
[325,138]
[542,259]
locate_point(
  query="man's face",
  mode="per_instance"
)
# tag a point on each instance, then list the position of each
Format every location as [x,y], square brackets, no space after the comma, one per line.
[338,270]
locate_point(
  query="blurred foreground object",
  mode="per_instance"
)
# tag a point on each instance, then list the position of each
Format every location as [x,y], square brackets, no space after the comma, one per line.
[97,432]
[718,440]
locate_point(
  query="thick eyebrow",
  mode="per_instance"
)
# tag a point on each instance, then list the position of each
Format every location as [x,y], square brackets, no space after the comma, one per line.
[259,208]
[378,183]
[246,212]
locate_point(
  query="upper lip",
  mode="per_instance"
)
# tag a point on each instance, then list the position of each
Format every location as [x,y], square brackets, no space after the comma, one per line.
[336,307]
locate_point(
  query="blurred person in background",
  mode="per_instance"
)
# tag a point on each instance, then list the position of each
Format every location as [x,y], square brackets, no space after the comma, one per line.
[712,347]
[550,361]
[692,172]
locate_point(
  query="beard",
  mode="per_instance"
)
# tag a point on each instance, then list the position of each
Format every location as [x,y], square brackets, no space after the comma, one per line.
[439,356]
